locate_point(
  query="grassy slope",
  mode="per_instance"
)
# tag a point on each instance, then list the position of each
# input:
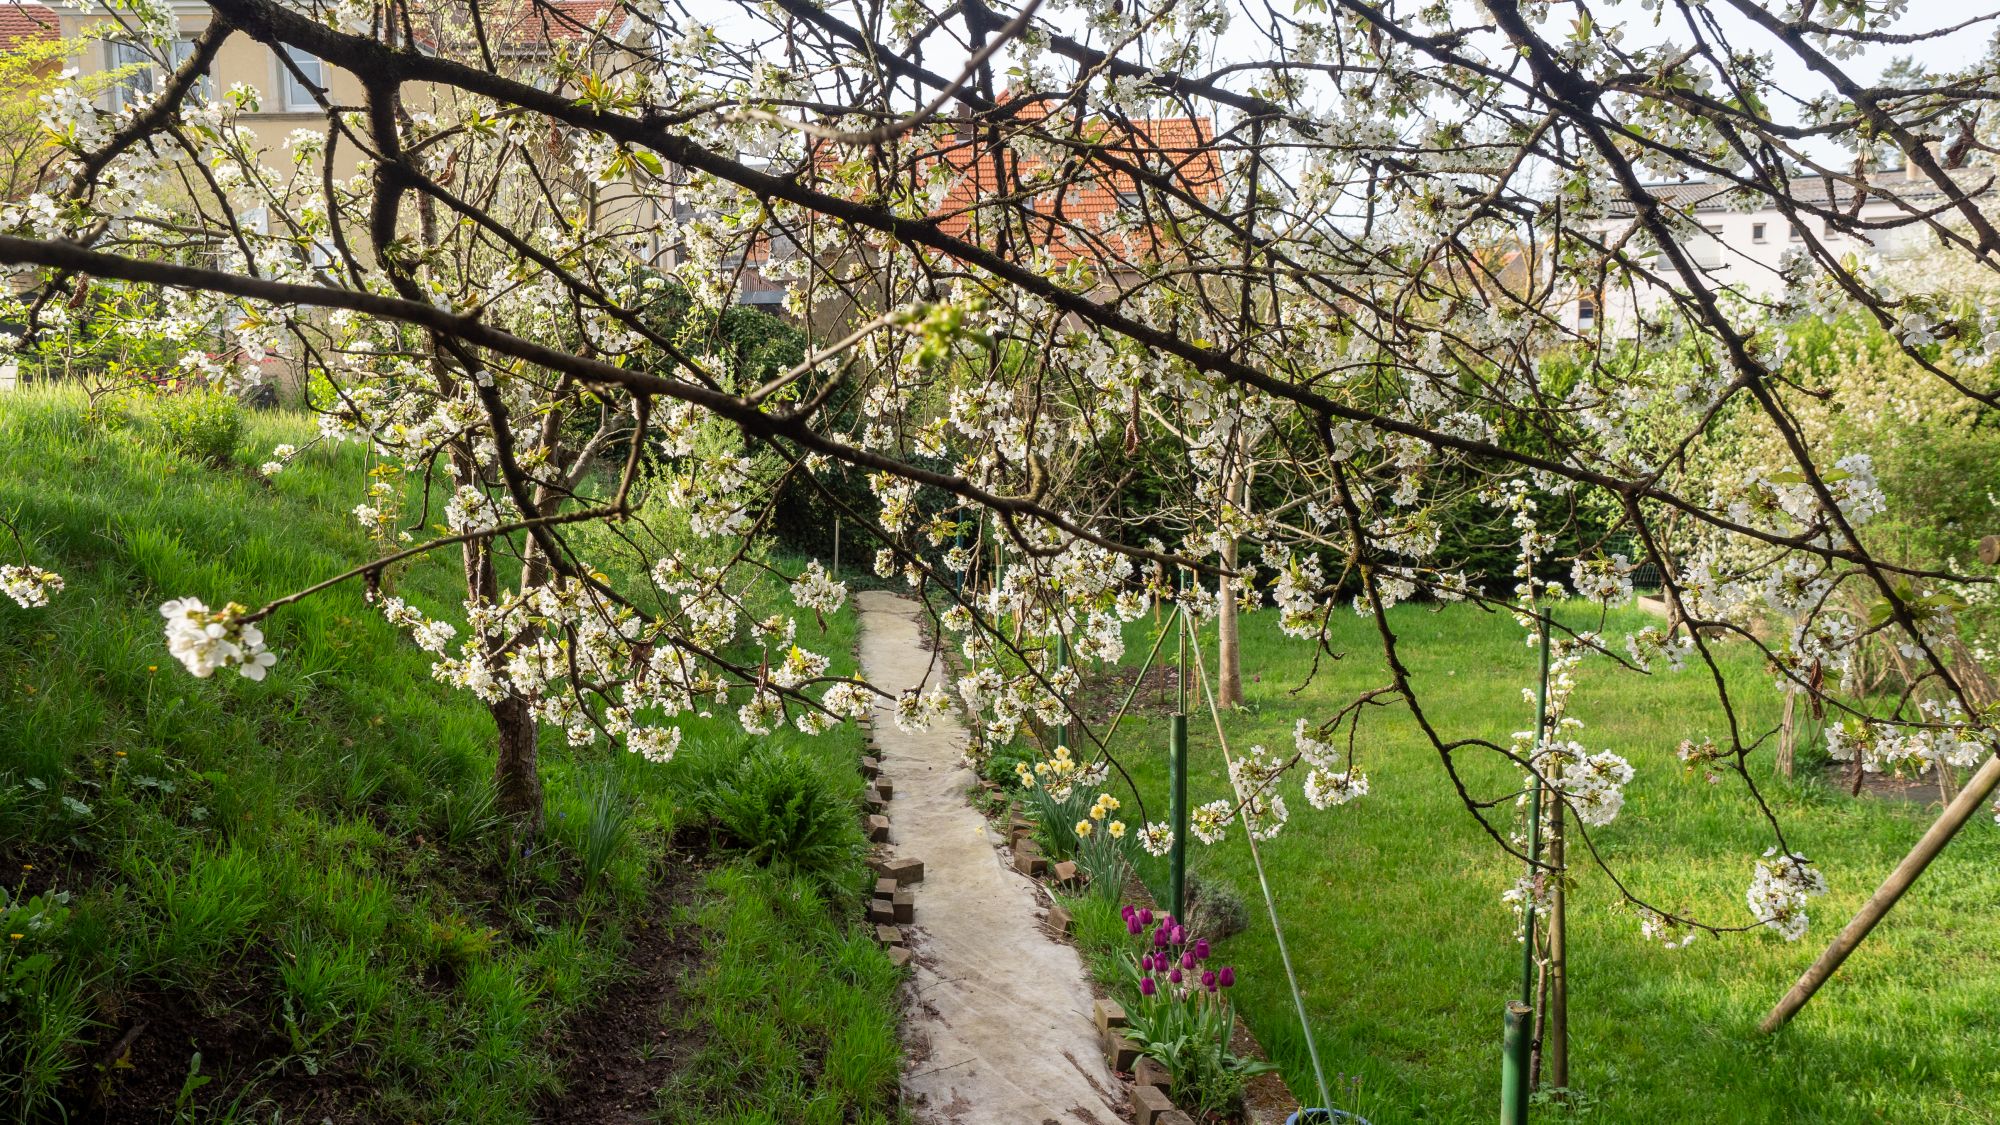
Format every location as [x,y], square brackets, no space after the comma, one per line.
[1405,953]
[301,873]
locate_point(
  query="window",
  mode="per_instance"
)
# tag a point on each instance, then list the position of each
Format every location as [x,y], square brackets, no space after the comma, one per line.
[1798,233]
[296,95]
[1586,313]
[143,76]
[1706,248]
[137,80]
[1756,232]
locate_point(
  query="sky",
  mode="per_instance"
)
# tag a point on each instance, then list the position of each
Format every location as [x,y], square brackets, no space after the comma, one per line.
[1243,39]
[1955,51]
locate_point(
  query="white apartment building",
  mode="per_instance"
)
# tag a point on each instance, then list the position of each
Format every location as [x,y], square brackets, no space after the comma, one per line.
[1744,250]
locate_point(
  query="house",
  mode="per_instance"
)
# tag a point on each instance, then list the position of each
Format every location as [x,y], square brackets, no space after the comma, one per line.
[25,23]
[1086,204]
[30,59]
[1745,243]
[1067,198]
[290,90]
[1743,249]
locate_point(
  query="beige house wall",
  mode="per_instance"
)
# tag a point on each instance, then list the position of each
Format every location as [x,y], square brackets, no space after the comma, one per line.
[241,60]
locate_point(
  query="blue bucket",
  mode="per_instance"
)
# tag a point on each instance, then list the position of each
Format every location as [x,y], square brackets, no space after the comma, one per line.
[1323,1117]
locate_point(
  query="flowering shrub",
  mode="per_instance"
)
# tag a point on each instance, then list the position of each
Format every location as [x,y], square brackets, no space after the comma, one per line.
[1181,1015]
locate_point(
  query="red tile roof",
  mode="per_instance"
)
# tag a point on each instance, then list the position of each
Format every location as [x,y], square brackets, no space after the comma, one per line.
[27,23]
[1078,212]
[552,21]
[516,27]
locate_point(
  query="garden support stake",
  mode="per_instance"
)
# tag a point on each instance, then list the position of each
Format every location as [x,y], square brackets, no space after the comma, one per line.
[1514,1065]
[1977,789]
[1178,812]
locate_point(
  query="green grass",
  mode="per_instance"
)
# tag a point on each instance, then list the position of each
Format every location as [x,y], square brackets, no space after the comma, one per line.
[798,1013]
[1406,955]
[303,874]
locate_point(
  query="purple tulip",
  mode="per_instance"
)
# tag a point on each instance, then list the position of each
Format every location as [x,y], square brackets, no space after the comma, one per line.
[1128,912]
[1187,959]
[1174,975]
[1145,916]
[1147,987]
[1201,950]
[1180,935]
[1208,979]
[1146,963]
[1227,977]
[1132,926]
[1160,938]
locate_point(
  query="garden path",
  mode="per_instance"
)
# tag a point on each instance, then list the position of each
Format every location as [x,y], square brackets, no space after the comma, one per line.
[999,1028]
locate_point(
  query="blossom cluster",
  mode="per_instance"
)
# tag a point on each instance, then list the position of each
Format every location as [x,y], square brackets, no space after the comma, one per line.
[1779,891]
[1101,809]
[204,640]
[1060,773]
[29,585]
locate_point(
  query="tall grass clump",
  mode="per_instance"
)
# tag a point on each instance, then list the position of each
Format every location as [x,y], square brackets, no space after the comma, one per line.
[203,423]
[781,808]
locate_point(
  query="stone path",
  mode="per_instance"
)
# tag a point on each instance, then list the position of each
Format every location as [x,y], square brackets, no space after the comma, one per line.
[999,1026]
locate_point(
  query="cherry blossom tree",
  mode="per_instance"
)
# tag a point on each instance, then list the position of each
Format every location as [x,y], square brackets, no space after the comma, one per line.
[465,266]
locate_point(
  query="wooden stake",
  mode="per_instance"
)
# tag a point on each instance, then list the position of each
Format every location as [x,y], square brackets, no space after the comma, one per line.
[1788,736]
[1977,789]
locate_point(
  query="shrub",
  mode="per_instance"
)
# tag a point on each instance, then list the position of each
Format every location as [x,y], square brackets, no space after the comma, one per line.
[998,767]
[1214,909]
[200,422]
[782,810]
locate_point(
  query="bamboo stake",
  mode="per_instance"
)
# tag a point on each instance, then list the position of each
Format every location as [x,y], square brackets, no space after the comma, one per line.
[1788,736]
[1977,789]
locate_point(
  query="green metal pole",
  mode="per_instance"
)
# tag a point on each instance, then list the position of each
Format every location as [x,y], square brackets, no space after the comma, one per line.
[1514,1064]
[1178,810]
[1180,676]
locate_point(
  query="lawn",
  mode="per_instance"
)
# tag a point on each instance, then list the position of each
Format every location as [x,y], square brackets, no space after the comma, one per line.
[1406,955]
[287,900]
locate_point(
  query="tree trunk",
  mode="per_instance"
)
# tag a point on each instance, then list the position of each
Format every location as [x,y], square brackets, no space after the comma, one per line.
[517,780]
